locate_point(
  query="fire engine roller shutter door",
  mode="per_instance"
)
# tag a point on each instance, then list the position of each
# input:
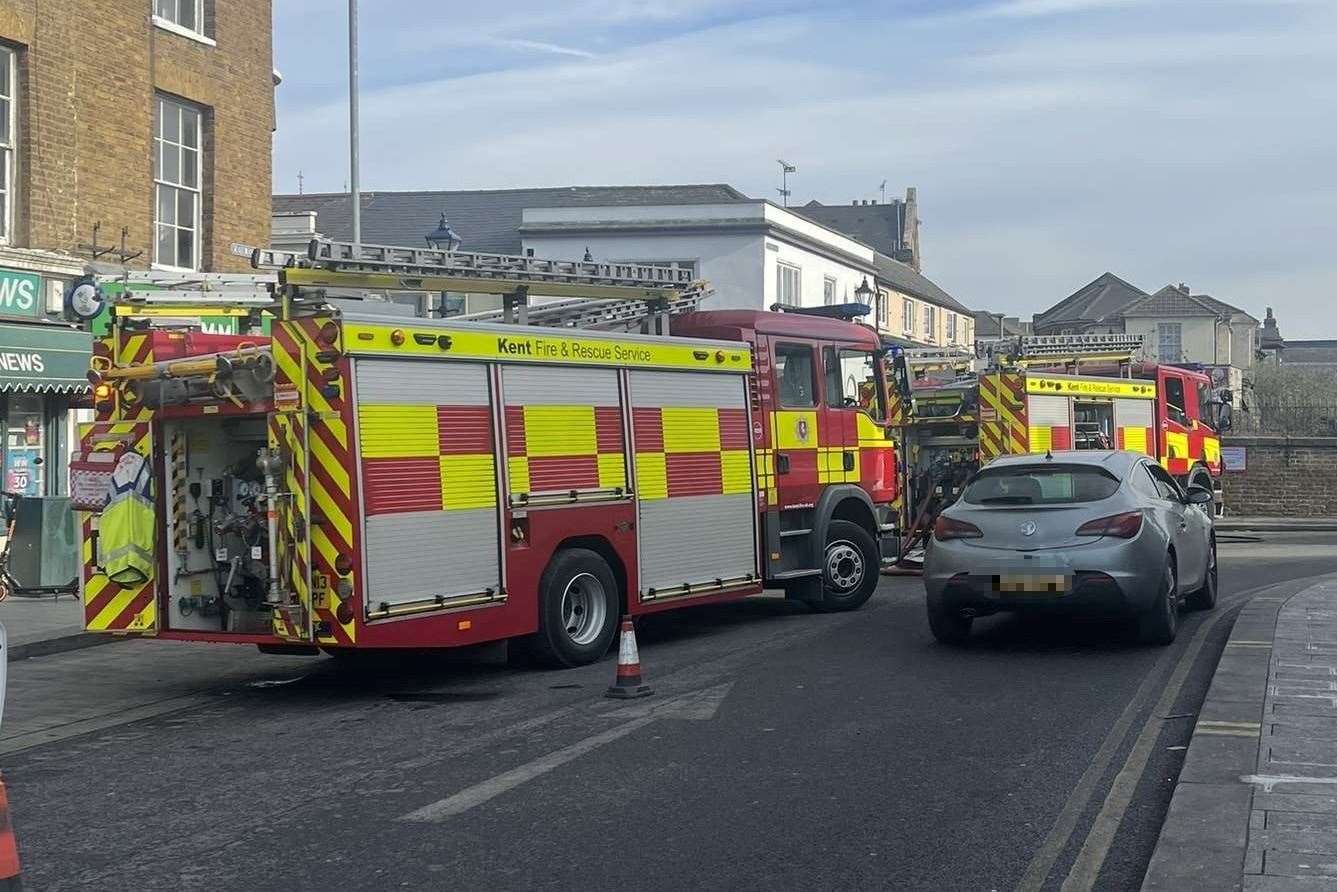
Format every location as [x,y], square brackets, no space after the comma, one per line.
[563,430]
[1049,423]
[693,477]
[1134,421]
[429,485]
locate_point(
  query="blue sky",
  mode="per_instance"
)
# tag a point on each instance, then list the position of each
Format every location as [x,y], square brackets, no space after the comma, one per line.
[1051,140]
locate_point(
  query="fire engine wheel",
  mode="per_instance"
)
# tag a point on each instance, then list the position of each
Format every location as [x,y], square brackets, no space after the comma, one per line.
[578,609]
[850,565]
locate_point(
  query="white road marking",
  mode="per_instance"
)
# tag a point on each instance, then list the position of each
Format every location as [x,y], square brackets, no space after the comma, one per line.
[695,706]
[1268,781]
[502,783]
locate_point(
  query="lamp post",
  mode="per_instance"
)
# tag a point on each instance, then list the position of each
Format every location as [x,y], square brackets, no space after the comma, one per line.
[356,192]
[443,238]
[864,294]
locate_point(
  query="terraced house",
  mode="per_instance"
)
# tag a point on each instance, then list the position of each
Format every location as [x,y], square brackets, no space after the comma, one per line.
[130,132]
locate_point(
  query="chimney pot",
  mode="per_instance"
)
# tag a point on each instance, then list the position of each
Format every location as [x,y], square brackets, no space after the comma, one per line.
[855,202]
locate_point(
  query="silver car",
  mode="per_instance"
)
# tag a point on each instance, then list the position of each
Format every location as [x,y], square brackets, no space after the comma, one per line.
[1085,531]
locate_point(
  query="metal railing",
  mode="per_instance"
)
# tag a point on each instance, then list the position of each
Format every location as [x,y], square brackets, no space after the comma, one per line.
[1296,419]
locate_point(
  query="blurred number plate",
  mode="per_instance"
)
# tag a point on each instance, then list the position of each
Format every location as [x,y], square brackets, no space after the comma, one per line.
[1033,583]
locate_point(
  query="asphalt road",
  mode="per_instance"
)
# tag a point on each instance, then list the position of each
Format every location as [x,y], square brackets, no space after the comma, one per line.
[782,749]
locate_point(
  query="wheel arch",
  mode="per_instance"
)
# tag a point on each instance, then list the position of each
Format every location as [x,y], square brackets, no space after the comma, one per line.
[604,549]
[841,502]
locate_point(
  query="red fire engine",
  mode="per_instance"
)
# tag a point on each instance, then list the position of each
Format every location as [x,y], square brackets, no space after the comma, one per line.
[1037,394]
[364,479]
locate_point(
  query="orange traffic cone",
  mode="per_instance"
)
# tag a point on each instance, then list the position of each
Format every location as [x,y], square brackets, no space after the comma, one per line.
[627,684]
[9,851]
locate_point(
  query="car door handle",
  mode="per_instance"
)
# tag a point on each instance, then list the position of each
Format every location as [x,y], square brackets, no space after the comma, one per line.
[781,463]
[849,461]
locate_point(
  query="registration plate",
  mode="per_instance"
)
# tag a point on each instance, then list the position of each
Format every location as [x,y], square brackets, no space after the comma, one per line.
[1033,583]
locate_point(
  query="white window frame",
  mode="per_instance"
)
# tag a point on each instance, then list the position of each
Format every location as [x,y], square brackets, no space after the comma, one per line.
[1164,328]
[883,310]
[908,316]
[829,285]
[167,15]
[162,146]
[951,327]
[930,322]
[9,147]
[783,270]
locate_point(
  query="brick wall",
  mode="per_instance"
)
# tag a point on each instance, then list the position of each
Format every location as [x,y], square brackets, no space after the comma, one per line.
[88,74]
[1285,477]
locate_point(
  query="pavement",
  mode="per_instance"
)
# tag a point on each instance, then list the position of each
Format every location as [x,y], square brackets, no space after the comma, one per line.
[1247,523]
[1256,803]
[781,749]
[46,625]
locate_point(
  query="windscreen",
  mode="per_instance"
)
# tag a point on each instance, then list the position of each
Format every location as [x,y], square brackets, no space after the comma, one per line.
[1041,485]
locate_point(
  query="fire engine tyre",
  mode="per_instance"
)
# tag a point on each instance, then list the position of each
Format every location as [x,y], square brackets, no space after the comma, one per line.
[850,567]
[947,624]
[1159,624]
[1205,597]
[578,610]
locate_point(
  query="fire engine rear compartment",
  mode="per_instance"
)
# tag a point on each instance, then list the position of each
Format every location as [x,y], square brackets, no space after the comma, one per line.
[215,545]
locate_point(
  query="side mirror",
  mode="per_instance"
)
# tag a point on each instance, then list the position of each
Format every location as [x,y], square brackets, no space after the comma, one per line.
[1198,495]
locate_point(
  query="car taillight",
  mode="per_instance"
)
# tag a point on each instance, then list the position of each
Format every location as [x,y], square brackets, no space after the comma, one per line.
[948,528]
[1120,526]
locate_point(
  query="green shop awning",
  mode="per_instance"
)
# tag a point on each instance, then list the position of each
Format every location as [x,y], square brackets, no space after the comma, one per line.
[44,359]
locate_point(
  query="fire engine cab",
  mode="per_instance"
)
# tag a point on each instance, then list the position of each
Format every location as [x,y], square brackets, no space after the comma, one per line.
[345,476]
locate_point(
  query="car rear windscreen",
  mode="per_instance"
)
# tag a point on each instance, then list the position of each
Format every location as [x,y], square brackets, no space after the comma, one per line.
[1040,485]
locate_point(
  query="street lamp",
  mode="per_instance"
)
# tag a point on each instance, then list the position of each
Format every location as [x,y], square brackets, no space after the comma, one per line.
[864,294]
[443,238]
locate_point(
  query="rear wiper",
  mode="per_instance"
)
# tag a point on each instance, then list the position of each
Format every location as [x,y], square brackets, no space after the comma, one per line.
[1007,500]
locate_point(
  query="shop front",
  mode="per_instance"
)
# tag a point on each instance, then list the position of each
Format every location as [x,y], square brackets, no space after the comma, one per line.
[43,368]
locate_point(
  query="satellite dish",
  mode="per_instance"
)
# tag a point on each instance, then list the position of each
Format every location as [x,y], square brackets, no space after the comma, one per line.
[84,299]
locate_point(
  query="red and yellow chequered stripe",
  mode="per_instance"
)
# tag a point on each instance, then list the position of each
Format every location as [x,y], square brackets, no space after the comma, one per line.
[1002,426]
[421,457]
[326,490]
[691,451]
[109,606]
[556,448]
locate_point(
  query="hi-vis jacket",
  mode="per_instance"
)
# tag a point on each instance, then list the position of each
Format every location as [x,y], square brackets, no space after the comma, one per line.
[127,532]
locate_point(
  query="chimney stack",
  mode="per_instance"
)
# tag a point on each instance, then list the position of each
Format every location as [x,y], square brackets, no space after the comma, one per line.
[1183,288]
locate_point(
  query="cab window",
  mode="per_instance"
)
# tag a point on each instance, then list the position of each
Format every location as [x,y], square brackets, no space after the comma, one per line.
[1206,407]
[795,381]
[851,381]
[1174,400]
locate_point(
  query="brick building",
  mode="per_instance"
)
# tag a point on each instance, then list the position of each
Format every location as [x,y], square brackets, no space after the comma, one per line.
[150,116]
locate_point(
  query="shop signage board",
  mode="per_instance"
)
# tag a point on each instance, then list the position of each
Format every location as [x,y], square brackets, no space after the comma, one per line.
[20,294]
[44,357]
